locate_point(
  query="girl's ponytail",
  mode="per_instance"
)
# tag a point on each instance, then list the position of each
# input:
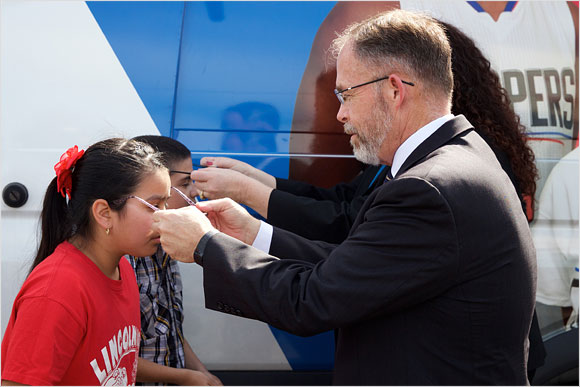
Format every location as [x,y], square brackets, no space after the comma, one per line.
[54,225]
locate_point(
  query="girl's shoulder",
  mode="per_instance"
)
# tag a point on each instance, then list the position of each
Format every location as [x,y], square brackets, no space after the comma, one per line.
[66,271]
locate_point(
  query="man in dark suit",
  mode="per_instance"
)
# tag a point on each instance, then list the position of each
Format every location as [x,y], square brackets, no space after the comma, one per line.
[428,288]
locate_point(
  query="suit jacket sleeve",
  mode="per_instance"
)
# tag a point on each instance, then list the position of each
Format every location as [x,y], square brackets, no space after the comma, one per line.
[339,192]
[325,220]
[318,213]
[404,252]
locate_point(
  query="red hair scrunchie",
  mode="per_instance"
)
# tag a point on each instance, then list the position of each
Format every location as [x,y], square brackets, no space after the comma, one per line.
[64,168]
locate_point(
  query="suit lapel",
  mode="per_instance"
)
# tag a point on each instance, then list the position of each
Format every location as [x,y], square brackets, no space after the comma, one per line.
[444,134]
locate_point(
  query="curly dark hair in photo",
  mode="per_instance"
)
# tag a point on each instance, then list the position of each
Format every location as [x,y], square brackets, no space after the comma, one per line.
[479,96]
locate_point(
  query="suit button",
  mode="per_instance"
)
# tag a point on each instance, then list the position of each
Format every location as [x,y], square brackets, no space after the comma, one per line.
[238,312]
[227,308]
[220,306]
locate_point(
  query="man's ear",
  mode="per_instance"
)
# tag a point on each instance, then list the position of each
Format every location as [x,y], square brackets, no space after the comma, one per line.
[102,213]
[397,90]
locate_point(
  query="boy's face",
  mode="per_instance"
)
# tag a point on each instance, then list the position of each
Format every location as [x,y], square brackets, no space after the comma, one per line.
[182,182]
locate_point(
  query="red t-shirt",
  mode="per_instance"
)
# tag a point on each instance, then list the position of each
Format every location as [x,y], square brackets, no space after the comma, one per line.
[72,325]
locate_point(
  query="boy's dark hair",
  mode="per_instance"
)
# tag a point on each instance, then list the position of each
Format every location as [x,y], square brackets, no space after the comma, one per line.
[110,170]
[172,151]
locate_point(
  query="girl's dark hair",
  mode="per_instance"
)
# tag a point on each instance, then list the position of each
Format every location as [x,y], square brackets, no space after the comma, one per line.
[479,96]
[109,170]
[172,151]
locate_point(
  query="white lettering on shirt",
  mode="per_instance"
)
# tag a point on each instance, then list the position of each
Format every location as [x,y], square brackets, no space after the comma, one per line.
[123,343]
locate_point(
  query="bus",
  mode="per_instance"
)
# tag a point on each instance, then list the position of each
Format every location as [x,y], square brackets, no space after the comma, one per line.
[252,81]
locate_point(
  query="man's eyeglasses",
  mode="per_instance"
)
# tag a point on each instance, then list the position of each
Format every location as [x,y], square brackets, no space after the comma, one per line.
[340,97]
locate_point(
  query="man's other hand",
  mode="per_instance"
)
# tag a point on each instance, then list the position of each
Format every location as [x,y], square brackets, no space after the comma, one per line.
[231,218]
[180,231]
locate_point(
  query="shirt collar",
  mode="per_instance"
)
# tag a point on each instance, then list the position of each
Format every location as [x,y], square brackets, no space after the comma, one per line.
[416,139]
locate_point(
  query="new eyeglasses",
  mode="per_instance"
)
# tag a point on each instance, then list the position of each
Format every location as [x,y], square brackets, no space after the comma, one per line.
[340,97]
[151,206]
[185,197]
[142,201]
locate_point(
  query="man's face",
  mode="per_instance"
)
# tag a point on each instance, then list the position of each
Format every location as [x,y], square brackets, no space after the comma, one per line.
[369,133]
[365,114]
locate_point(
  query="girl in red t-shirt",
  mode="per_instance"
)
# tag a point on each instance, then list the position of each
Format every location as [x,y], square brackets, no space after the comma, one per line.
[76,319]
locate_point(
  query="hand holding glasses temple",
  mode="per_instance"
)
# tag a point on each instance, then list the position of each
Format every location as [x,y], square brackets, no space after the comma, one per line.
[340,97]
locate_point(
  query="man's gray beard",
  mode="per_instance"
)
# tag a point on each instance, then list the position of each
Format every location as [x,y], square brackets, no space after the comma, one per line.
[369,146]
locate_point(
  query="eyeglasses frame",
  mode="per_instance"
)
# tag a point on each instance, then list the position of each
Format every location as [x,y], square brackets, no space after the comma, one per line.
[185,197]
[338,93]
[151,206]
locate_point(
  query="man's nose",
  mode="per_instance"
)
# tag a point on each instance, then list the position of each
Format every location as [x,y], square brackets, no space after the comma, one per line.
[342,115]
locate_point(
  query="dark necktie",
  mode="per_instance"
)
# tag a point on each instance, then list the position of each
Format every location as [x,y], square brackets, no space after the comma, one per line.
[377,175]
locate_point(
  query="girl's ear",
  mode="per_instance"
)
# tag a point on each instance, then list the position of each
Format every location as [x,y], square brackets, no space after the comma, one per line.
[102,213]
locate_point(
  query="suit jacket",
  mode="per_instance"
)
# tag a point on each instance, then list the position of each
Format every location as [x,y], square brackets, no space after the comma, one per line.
[537,354]
[321,213]
[428,288]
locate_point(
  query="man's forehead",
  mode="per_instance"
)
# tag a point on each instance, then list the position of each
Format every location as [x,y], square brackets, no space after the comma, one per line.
[344,63]
[349,68]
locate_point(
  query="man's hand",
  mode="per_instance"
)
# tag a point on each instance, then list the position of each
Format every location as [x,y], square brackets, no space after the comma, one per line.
[240,166]
[180,231]
[231,218]
[217,183]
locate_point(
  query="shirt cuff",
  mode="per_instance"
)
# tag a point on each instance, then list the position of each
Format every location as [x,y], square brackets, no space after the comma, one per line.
[264,238]
[199,250]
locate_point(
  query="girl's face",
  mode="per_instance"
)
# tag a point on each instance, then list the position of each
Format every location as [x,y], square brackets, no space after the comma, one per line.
[182,182]
[132,228]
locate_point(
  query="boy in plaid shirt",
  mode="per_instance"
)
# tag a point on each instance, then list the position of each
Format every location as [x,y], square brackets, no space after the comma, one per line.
[165,356]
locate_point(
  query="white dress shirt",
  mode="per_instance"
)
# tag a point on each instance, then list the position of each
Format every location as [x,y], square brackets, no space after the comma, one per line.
[416,139]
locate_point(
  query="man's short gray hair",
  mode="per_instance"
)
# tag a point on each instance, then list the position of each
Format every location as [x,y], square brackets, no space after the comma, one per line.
[406,41]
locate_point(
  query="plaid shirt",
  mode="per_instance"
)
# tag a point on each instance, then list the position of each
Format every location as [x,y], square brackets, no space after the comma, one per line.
[160,291]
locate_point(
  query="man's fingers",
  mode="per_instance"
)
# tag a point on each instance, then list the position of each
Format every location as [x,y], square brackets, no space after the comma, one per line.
[221,162]
[215,205]
[199,175]
[207,161]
